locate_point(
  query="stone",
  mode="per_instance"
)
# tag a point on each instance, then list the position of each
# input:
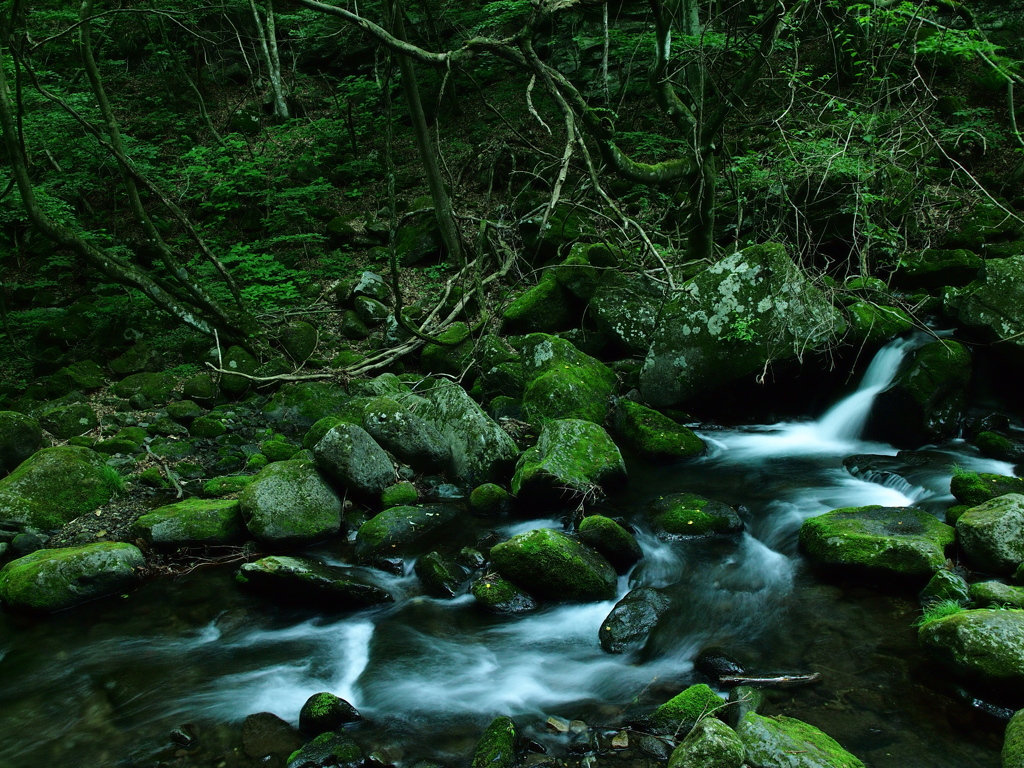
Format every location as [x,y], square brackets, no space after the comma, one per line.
[333,749]
[20,437]
[139,358]
[934,268]
[306,581]
[711,744]
[289,504]
[349,456]
[497,746]
[974,488]
[653,435]
[627,311]
[874,324]
[238,361]
[726,323]
[398,530]
[785,742]
[899,542]
[69,420]
[630,622]
[681,713]
[489,500]
[299,339]
[945,585]
[51,580]
[370,311]
[562,382]
[985,644]
[402,494]
[1013,742]
[440,576]
[999,447]
[499,595]
[372,285]
[154,387]
[453,356]
[192,523]
[555,567]
[572,459]
[544,308]
[83,376]
[586,266]
[410,438]
[419,239]
[619,546]
[688,514]
[184,411]
[994,304]
[207,427]
[992,534]
[995,594]
[546,236]
[264,734]
[226,485]
[201,388]
[324,712]
[278,449]
[351,327]
[296,407]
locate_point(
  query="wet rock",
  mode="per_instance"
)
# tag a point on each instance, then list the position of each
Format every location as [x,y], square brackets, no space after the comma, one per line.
[1013,742]
[407,436]
[402,494]
[192,523]
[572,458]
[440,576]
[545,308]
[349,456]
[289,504]
[296,407]
[711,744]
[976,488]
[20,437]
[632,619]
[54,579]
[894,541]
[264,734]
[554,567]
[688,514]
[497,747]
[399,530]
[743,699]
[999,447]
[945,585]
[654,747]
[872,323]
[983,644]
[156,388]
[69,420]
[995,594]
[678,715]
[992,534]
[489,500]
[501,596]
[715,664]
[613,541]
[653,435]
[334,749]
[301,580]
[324,712]
[785,741]
[994,304]
[562,382]
[27,543]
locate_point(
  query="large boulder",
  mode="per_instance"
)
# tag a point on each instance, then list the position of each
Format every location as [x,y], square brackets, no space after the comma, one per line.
[554,566]
[927,397]
[995,594]
[411,439]
[872,323]
[192,523]
[653,435]
[20,436]
[986,644]
[978,487]
[572,458]
[53,579]
[934,268]
[301,580]
[397,531]
[290,504]
[784,742]
[900,542]
[689,514]
[1013,742]
[994,304]
[626,310]
[54,486]
[632,619]
[730,320]
[349,456]
[155,388]
[544,308]
[66,421]
[711,744]
[992,534]
[562,382]
[296,407]
[682,712]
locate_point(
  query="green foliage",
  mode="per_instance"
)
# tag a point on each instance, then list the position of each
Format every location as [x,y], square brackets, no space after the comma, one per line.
[939,610]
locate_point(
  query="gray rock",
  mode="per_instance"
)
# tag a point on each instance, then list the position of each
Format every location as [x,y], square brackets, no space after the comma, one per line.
[396,531]
[985,644]
[334,749]
[289,503]
[407,436]
[992,534]
[995,594]
[632,619]
[297,407]
[945,585]
[372,285]
[349,456]
[301,580]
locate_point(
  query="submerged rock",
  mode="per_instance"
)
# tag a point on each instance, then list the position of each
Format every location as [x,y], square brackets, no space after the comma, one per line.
[289,503]
[632,619]
[301,580]
[654,435]
[784,742]
[688,514]
[711,744]
[555,567]
[992,534]
[192,523]
[985,644]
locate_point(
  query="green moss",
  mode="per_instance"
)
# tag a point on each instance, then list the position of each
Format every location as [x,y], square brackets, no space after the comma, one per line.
[153,477]
[986,644]
[653,435]
[333,748]
[680,713]
[325,712]
[192,523]
[1013,742]
[572,457]
[207,427]
[955,512]
[256,462]
[453,356]
[499,595]
[278,449]
[155,387]
[772,740]
[489,499]
[688,514]
[395,530]
[613,541]
[399,495]
[224,486]
[496,748]
[554,566]
[973,488]
[995,594]
[871,323]
[319,429]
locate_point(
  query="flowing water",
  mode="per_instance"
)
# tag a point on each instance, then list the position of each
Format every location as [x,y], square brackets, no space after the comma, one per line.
[106,685]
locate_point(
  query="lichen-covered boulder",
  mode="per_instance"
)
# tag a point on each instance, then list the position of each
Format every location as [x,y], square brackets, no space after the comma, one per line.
[289,504]
[53,487]
[785,742]
[995,594]
[626,310]
[872,323]
[679,714]
[927,397]
[632,619]
[619,546]
[992,534]
[497,747]
[976,488]
[986,644]
[711,744]
[688,514]
[301,580]
[562,382]
[653,435]
[728,321]
[349,456]
[893,541]
[66,421]
[995,304]
[296,407]
[572,458]
[554,567]
[400,431]
[333,749]
[480,450]
[398,530]
[545,308]
[192,523]
[324,712]
[440,576]
[20,436]
[54,579]
[497,594]
[1013,742]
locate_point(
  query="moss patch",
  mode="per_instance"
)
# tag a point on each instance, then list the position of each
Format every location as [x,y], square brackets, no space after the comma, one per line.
[554,566]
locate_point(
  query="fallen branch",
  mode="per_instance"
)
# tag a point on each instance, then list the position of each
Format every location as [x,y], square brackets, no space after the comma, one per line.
[278,377]
[775,681]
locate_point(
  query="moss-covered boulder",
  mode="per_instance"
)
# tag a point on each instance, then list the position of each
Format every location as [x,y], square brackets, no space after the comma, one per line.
[562,382]
[586,266]
[349,456]
[626,310]
[298,339]
[402,494]
[572,459]
[689,514]
[440,575]
[974,488]
[994,304]
[184,411]
[619,546]
[410,438]
[296,407]
[784,742]
[547,237]
[999,447]
[20,437]
[238,361]
[992,534]
[554,566]
[943,586]
[497,747]
[324,712]
[497,594]
[653,435]
[934,268]
[545,308]
[926,399]
[53,487]
[156,388]
[453,356]
[1013,742]
[289,504]
[333,749]
[54,579]
[192,523]
[995,594]
[418,239]
[201,388]
[299,580]
[226,485]
[632,619]
[679,714]
[489,499]
[711,744]
[139,358]
[83,376]
[728,321]
[398,531]
[985,644]
[893,541]
[872,323]
[66,421]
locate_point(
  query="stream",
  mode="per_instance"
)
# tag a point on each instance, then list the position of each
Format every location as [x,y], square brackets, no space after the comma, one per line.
[106,684]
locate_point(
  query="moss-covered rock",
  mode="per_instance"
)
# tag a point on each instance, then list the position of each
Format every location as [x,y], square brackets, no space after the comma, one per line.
[351,327]
[207,427]
[945,585]
[728,321]
[545,308]
[333,749]
[296,407]
[453,356]
[201,388]
[156,388]
[305,581]
[489,499]
[994,304]
[398,530]
[399,495]
[974,488]
[555,567]
[325,712]
[20,437]
[585,267]
[139,358]
[679,714]
[934,268]
[184,411]
[711,744]
[419,239]
[53,487]
[632,619]
[1013,742]
[784,742]
[562,382]
[984,644]
[278,449]
[653,435]
[688,514]
[626,310]
[407,436]
[999,447]
[192,523]
[497,747]
[69,420]
[54,579]
[992,534]
[349,456]
[497,594]
[619,546]
[995,594]
[288,503]
[298,340]
[238,361]
[83,376]
[440,576]
[572,458]
[226,485]
[872,323]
